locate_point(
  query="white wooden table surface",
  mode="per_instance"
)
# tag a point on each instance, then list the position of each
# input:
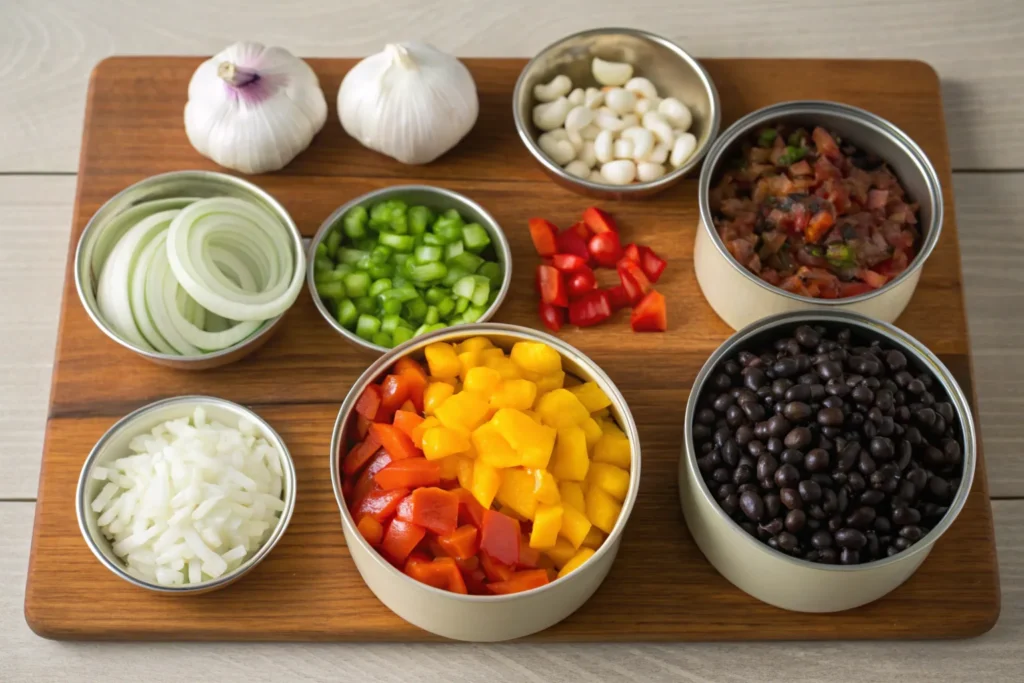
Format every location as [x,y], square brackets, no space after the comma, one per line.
[47,48]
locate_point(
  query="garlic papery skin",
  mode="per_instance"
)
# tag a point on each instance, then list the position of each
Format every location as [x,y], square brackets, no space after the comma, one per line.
[410,101]
[253,108]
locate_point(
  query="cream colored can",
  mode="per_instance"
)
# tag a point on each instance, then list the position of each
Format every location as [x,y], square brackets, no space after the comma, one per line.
[740,297]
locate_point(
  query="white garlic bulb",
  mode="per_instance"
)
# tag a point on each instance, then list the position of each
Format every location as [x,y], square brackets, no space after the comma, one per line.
[411,102]
[253,108]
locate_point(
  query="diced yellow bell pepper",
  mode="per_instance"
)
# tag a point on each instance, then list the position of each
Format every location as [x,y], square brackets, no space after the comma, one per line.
[467,361]
[591,396]
[603,414]
[533,441]
[435,394]
[570,461]
[592,431]
[611,479]
[609,427]
[482,379]
[485,483]
[442,360]
[575,525]
[505,367]
[492,448]
[465,473]
[560,408]
[453,382]
[516,491]
[560,553]
[594,539]
[545,488]
[602,510]
[475,344]
[440,442]
[465,410]
[421,429]
[536,357]
[581,556]
[547,522]
[450,468]
[613,450]
[571,493]
[514,393]
[490,354]
[546,383]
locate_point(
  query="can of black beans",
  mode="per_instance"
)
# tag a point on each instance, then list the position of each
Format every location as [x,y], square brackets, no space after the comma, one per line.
[824,455]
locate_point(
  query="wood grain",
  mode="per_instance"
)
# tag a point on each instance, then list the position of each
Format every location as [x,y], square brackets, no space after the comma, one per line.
[47,48]
[304,372]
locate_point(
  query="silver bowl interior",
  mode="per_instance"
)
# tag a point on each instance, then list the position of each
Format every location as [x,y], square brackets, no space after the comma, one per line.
[114,445]
[118,215]
[504,336]
[864,329]
[865,130]
[435,198]
[672,70]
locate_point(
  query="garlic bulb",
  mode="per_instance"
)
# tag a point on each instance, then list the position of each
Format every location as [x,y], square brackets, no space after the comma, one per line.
[253,108]
[411,102]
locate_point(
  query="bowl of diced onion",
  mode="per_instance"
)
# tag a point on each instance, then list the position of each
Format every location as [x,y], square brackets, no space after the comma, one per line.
[186,495]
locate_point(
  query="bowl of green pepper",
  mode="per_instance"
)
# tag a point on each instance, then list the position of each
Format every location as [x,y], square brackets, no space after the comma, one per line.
[403,261]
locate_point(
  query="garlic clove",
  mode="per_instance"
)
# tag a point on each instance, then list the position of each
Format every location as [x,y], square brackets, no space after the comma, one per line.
[647,171]
[551,115]
[549,92]
[578,169]
[682,149]
[611,73]
[253,108]
[620,101]
[641,87]
[676,113]
[619,172]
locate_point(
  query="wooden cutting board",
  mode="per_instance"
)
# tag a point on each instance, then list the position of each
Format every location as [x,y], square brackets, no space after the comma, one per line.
[661,587]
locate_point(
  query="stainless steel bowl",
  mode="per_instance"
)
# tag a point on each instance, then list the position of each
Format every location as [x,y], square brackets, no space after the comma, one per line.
[102,233]
[780,579]
[114,445]
[672,70]
[738,296]
[435,198]
[477,617]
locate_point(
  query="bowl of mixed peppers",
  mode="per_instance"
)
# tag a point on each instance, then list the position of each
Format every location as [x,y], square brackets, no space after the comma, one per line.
[486,465]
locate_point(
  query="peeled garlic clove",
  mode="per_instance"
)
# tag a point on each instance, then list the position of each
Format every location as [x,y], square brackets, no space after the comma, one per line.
[646,104]
[578,169]
[620,172]
[631,120]
[552,114]
[620,101]
[559,150]
[595,176]
[578,117]
[676,113]
[589,132]
[647,171]
[622,149]
[611,73]
[587,154]
[682,149]
[642,139]
[659,154]
[641,87]
[607,120]
[604,147]
[549,92]
[593,98]
[577,97]
[654,122]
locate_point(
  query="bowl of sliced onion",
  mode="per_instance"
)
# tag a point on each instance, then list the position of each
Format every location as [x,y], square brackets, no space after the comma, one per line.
[186,495]
[190,269]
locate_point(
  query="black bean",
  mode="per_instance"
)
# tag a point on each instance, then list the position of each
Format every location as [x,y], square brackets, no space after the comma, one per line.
[756,448]
[862,394]
[775,445]
[778,426]
[744,435]
[866,464]
[828,556]
[790,497]
[730,453]
[721,381]
[754,411]
[833,402]
[730,504]
[821,539]
[772,504]
[798,437]
[731,367]
[829,500]
[780,387]
[951,449]
[752,505]
[795,521]
[734,416]
[706,416]
[848,457]
[722,434]
[871,497]
[747,461]
[882,448]
[905,515]
[722,402]
[786,367]
[850,538]
[722,475]
[900,543]
[773,527]
[766,466]
[754,378]
[934,458]
[944,409]
[787,541]
[938,489]
[843,500]
[907,491]
[911,533]
[725,490]
[831,417]
[796,411]
[829,369]
[861,518]
[742,474]
[816,460]
[701,432]
[749,486]
[810,491]
[856,482]
[916,387]
[793,457]
[787,476]
[798,392]
[806,336]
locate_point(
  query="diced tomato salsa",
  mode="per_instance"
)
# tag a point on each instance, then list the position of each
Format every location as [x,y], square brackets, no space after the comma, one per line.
[813,215]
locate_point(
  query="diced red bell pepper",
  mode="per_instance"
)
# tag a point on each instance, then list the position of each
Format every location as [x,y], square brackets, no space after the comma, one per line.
[395,441]
[826,144]
[569,242]
[819,226]
[494,570]
[551,285]
[432,508]
[632,252]
[456,584]
[499,537]
[581,229]
[853,288]
[649,315]
[652,264]
[417,379]
[633,279]
[380,505]
[553,317]
[528,557]
[519,582]
[581,282]
[462,543]
[409,474]
[470,509]
[568,263]
[360,454]
[400,538]
[369,402]
[371,530]
[543,234]
[406,421]
[394,392]
[362,426]
[476,581]
[873,279]
[590,309]
[618,298]
[605,248]
[364,484]
[599,221]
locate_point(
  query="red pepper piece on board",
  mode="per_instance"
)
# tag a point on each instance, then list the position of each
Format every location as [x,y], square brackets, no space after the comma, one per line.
[590,309]
[543,233]
[551,286]
[650,315]
[599,221]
